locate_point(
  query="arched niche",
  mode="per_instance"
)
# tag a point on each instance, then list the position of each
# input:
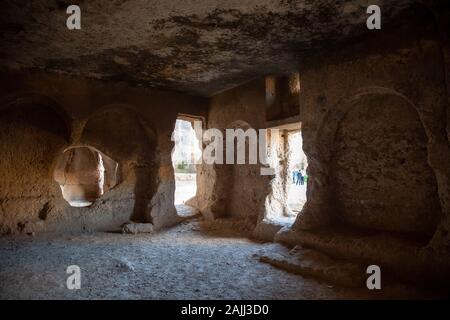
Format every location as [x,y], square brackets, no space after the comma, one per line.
[216,193]
[245,191]
[375,127]
[379,167]
[118,131]
[27,99]
[33,130]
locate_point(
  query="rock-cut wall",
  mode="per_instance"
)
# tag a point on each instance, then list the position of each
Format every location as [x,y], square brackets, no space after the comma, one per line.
[102,147]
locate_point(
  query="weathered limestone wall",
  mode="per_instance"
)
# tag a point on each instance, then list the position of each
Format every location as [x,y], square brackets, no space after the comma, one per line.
[44,114]
[374,132]
[28,195]
[441,239]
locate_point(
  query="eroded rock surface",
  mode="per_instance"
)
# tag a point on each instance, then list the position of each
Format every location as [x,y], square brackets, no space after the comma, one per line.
[202,47]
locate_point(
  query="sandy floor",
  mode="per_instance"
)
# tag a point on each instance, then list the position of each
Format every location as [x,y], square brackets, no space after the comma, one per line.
[185,262]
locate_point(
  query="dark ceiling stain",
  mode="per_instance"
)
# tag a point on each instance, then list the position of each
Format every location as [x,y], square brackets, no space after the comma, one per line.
[200,48]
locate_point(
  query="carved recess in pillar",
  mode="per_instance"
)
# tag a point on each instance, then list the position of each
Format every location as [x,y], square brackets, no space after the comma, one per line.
[84,175]
[119,133]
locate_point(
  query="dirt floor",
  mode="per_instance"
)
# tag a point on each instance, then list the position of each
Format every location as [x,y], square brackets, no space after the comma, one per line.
[193,260]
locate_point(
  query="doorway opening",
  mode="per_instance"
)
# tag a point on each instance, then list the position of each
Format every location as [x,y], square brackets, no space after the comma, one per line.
[185,157]
[297,165]
[288,186]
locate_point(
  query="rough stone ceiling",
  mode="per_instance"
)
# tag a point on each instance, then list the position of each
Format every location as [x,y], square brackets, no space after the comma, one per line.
[199,47]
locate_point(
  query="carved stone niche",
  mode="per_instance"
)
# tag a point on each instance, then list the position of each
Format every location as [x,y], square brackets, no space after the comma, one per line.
[84,175]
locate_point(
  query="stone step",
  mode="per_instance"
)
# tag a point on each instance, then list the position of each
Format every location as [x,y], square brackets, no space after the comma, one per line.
[312,263]
[403,259]
[135,228]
